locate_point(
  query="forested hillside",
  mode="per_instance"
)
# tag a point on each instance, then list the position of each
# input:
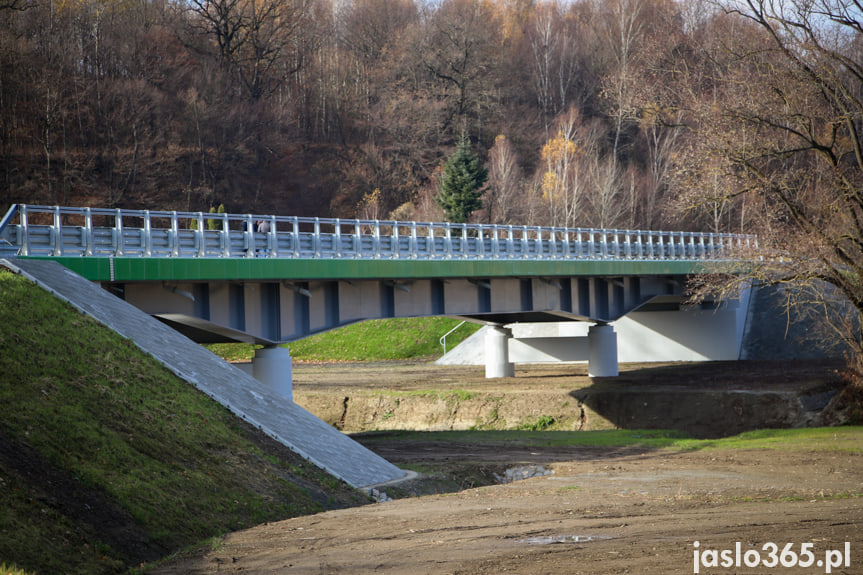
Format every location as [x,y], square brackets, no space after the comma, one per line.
[350,107]
[725,115]
[710,115]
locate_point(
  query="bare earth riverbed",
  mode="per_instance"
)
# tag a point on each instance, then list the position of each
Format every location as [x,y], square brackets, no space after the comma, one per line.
[595,510]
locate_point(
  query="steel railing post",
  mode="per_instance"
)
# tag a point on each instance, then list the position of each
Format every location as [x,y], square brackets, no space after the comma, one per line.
[119,236]
[249,241]
[495,242]
[273,239]
[25,226]
[358,238]
[465,252]
[225,236]
[432,245]
[146,235]
[376,242]
[57,235]
[394,241]
[174,241]
[200,235]
[88,232]
[295,240]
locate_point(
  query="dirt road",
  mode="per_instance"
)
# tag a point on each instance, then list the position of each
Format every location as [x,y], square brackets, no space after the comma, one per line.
[598,511]
[635,513]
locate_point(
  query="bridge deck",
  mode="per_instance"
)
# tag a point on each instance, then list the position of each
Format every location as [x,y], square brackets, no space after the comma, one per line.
[196,269]
[134,245]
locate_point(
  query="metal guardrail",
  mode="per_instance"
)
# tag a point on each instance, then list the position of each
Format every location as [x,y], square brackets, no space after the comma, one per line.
[95,232]
[442,339]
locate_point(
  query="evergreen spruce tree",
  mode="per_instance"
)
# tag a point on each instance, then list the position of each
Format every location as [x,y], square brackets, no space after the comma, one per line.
[461,184]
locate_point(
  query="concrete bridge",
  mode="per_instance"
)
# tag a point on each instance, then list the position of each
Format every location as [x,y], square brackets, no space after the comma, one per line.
[214,278]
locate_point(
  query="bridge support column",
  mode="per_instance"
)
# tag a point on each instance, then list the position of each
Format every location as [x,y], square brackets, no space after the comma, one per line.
[497,362]
[273,366]
[602,344]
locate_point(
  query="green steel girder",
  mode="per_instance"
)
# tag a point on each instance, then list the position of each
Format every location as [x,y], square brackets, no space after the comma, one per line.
[134,269]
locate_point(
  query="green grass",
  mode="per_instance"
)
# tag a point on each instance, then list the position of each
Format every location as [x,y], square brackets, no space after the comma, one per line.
[82,407]
[542,422]
[844,439]
[841,439]
[373,340]
[11,570]
[447,394]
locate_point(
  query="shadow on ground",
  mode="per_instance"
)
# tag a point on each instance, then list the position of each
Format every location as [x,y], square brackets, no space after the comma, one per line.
[726,399]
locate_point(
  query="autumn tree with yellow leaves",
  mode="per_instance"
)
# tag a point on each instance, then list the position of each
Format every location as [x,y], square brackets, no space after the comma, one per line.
[563,178]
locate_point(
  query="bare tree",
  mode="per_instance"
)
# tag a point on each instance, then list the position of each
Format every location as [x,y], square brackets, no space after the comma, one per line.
[608,203]
[253,37]
[662,143]
[788,132]
[624,28]
[553,46]
[461,50]
[370,27]
[14,4]
[504,183]
[562,174]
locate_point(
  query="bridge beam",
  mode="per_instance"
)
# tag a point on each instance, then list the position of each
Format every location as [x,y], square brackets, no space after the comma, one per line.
[273,366]
[497,362]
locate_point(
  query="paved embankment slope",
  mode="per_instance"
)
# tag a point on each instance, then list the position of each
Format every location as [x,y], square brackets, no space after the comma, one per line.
[242,394]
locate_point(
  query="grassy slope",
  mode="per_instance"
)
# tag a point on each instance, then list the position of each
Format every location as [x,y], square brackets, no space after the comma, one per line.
[374,340]
[107,459]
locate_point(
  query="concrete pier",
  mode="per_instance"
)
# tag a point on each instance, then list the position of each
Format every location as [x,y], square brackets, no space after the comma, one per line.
[273,367]
[602,343]
[497,362]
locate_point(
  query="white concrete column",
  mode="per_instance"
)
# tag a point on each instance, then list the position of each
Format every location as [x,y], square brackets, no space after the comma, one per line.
[602,358]
[497,362]
[273,366]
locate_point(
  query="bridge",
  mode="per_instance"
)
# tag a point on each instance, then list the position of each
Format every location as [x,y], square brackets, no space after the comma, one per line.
[214,278]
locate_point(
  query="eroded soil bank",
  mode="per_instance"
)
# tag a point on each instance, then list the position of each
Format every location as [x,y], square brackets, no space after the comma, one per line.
[704,400]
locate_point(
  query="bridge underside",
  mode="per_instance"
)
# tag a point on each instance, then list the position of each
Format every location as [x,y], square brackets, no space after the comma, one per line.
[271,313]
[276,301]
